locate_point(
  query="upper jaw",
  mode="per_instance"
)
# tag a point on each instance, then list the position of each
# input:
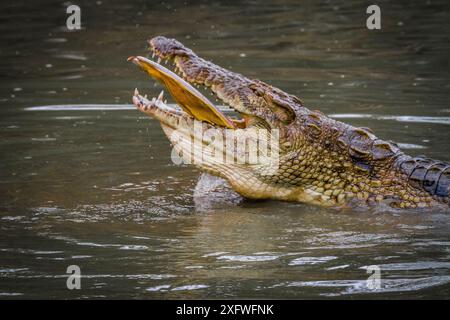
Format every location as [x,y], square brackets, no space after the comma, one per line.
[231,88]
[226,85]
[167,48]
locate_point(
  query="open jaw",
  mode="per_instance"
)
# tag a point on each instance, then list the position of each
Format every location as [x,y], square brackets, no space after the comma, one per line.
[194,105]
[258,104]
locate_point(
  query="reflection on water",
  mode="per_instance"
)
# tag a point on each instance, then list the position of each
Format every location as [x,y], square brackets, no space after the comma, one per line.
[86,180]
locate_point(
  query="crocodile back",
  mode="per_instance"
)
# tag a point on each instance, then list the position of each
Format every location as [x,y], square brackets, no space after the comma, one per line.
[430,175]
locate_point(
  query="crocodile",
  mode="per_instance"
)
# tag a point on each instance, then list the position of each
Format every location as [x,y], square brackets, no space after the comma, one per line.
[320,160]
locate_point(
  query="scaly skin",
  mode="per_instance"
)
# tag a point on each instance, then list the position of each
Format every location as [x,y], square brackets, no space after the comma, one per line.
[322,161]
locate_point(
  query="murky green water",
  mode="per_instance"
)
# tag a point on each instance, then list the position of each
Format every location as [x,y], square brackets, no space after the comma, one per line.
[94,186]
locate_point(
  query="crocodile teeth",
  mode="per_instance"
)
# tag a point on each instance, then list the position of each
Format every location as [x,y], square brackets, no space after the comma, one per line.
[136,92]
[159,60]
[160,97]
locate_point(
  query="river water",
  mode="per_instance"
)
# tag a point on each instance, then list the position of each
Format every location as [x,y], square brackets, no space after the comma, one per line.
[86,180]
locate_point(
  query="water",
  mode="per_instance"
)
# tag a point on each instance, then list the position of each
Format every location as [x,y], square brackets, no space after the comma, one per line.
[86,180]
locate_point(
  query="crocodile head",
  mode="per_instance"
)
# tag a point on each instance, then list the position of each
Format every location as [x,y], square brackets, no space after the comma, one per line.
[295,154]
[264,115]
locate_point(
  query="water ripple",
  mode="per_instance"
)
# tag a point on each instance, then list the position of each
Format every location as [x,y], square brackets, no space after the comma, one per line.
[311,260]
[190,287]
[420,265]
[386,285]
[244,258]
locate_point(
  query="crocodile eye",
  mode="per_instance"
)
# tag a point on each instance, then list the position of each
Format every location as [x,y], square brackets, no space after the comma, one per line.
[284,113]
[281,108]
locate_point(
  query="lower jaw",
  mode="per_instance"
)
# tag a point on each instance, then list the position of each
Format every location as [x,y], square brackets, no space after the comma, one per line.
[158,109]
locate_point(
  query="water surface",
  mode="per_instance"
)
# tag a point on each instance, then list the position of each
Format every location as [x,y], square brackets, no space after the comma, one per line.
[86,180]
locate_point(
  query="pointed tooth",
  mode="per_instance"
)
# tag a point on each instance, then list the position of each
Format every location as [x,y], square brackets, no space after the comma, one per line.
[165,101]
[145,96]
[161,95]
[153,55]
[165,62]
[136,92]
[159,60]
